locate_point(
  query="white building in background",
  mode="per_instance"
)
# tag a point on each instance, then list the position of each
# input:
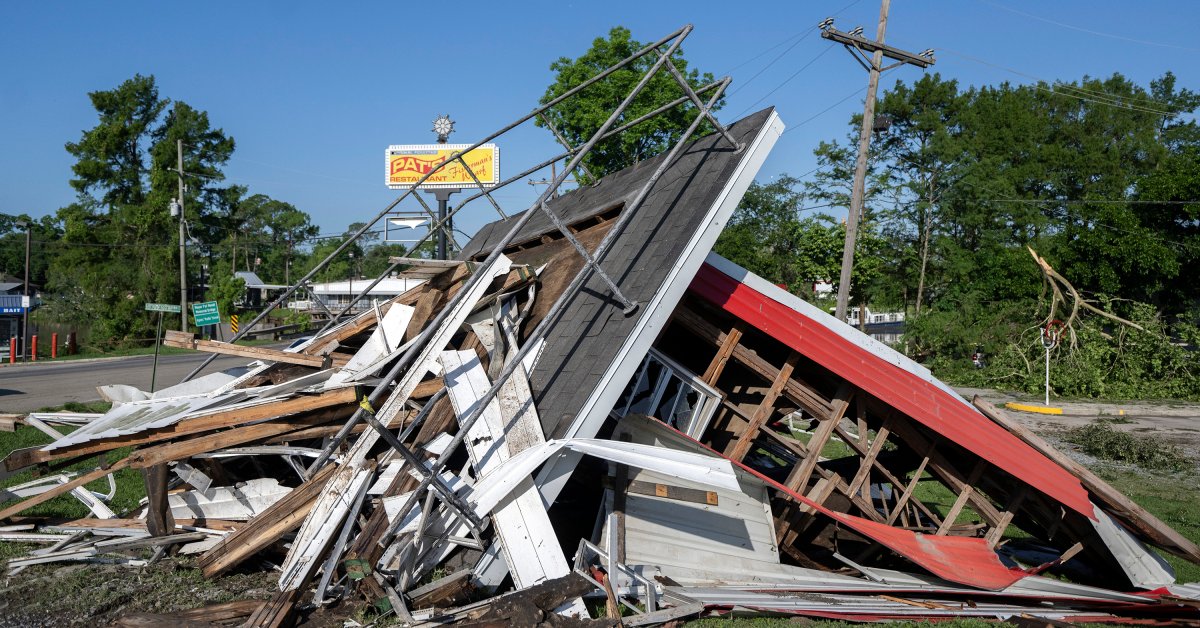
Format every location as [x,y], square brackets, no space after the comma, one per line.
[336,294]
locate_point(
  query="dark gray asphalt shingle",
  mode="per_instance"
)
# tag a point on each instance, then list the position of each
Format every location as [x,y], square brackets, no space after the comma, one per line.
[583,342]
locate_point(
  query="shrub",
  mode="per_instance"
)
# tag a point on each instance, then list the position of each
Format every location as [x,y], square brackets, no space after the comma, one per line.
[1149,452]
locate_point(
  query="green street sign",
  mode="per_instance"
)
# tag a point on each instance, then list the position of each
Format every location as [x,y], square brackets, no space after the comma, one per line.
[163,307]
[206,313]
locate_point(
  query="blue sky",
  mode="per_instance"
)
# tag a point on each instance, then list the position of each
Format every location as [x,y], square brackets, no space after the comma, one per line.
[314,92]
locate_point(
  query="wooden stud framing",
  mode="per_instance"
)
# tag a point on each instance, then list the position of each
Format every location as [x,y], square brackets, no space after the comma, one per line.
[961,500]
[725,350]
[764,410]
[800,474]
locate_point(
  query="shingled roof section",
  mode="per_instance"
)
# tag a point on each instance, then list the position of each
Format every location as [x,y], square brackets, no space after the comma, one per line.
[589,335]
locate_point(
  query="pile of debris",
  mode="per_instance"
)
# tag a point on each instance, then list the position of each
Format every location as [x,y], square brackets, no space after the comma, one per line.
[589,406]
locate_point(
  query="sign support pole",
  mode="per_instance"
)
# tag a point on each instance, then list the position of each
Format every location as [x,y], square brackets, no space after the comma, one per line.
[443,237]
[1047,376]
[157,344]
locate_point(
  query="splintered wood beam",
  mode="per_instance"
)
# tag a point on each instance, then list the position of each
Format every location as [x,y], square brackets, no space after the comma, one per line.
[184,340]
[1014,504]
[1113,500]
[62,489]
[205,443]
[797,480]
[948,473]
[796,390]
[961,500]
[764,410]
[159,521]
[22,458]
[912,485]
[717,366]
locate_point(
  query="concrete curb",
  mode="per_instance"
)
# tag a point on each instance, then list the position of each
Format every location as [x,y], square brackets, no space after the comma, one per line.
[1024,407]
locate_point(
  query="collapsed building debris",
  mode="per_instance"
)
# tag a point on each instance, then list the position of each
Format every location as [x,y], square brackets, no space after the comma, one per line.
[590,414]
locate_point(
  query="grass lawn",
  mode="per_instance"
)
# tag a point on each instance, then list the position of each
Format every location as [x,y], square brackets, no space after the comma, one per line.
[130,488]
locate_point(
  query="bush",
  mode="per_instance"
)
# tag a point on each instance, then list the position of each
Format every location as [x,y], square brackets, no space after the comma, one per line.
[1109,360]
[1149,452]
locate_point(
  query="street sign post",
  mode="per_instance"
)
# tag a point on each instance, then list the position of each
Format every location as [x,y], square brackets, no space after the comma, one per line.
[160,308]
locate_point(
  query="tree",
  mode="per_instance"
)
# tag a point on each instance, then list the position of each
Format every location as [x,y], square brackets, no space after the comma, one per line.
[920,148]
[579,117]
[117,250]
[44,235]
[770,237]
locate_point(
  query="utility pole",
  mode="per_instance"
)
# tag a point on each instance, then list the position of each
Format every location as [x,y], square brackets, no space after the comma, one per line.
[183,311]
[859,46]
[26,304]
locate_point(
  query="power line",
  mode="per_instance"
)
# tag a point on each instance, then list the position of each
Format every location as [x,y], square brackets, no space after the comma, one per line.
[1088,30]
[821,113]
[1097,97]
[785,82]
[1036,201]
[802,34]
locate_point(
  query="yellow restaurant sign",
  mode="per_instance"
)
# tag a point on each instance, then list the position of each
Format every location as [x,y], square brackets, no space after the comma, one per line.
[407,163]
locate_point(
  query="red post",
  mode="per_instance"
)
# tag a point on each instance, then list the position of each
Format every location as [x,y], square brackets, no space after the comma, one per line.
[53,345]
[12,350]
[33,347]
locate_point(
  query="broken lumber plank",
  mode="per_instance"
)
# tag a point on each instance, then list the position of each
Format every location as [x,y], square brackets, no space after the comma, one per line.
[63,488]
[425,263]
[202,617]
[1121,506]
[443,591]
[158,514]
[277,520]
[764,410]
[184,340]
[724,352]
[798,478]
[22,458]
[204,443]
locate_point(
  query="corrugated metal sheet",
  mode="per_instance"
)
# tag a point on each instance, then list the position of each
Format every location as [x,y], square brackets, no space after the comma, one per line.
[780,315]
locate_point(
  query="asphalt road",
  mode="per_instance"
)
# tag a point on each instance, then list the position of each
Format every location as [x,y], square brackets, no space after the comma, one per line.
[25,388]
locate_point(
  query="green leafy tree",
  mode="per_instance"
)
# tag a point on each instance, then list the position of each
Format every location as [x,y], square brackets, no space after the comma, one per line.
[226,288]
[579,117]
[119,241]
[43,235]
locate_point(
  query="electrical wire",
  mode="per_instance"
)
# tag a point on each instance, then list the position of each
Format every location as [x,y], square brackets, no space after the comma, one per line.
[1099,98]
[823,112]
[1087,30]
[785,81]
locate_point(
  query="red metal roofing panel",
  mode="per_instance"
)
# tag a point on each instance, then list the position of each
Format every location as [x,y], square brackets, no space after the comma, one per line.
[914,396]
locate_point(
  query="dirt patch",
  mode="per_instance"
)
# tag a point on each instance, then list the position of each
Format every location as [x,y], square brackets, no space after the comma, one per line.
[1175,422]
[92,595]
